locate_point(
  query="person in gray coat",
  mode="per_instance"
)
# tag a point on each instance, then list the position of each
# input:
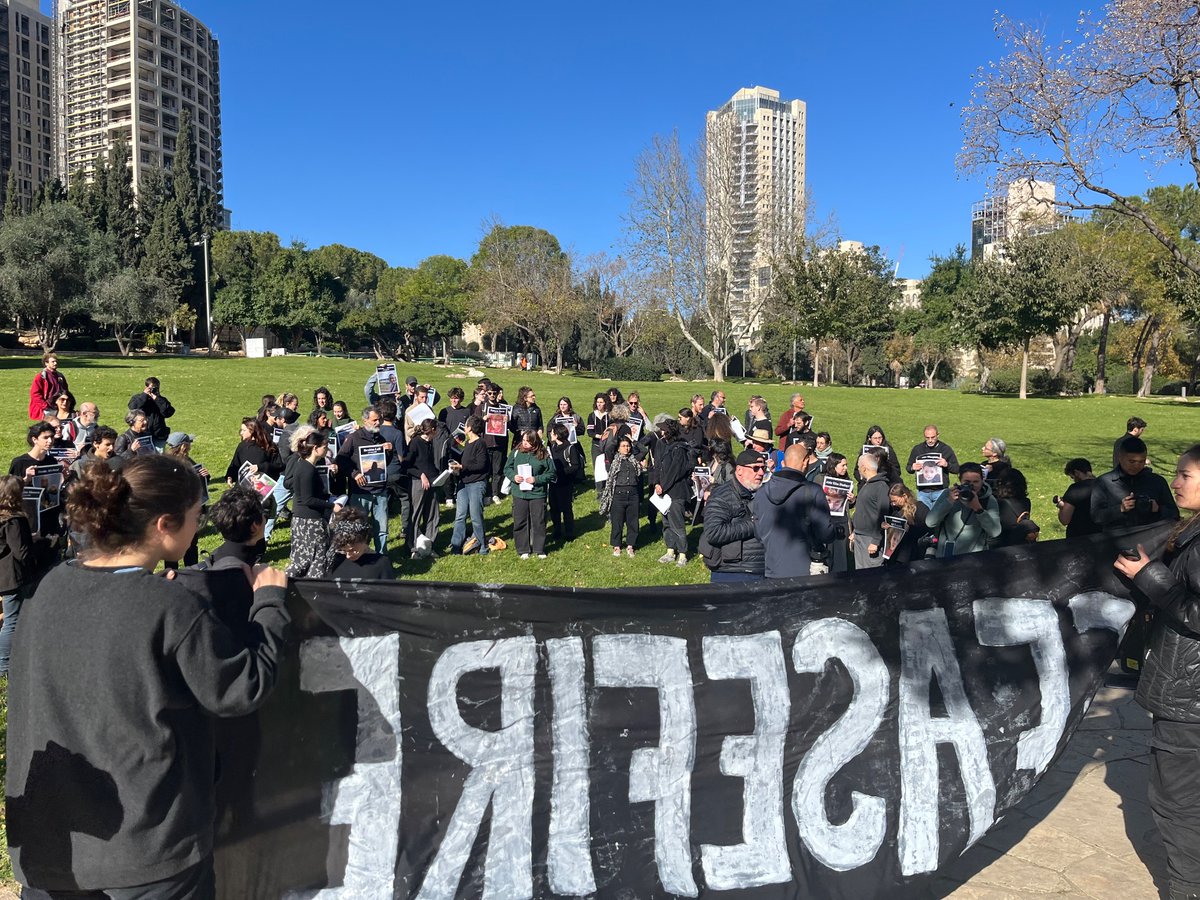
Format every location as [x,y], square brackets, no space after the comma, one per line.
[967,516]
[791,517]
[872,505]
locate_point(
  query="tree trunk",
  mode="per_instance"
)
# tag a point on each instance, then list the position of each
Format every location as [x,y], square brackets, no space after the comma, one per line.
[816,364]
[929,373]
[985,371]
[1139,348]
[849,364]
[558,359]
[1151,364]
[1102,353]
[1025,370]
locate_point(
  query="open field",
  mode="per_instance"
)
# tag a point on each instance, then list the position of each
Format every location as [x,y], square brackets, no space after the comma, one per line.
[211,396]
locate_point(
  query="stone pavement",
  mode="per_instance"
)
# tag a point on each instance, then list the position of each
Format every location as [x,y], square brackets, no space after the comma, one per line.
[1085,831]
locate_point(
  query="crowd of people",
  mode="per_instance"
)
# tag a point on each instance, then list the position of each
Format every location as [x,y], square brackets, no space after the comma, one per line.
[769,497]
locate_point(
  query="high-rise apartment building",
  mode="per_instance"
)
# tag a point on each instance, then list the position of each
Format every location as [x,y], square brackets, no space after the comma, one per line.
[26,90]
[1026,207]
[754,185]
[129,68]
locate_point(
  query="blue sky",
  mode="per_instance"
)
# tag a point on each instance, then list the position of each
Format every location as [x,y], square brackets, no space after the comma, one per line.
[400,128]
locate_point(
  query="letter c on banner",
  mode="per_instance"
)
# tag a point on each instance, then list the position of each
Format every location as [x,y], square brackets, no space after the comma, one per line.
[855,842]
[501,770]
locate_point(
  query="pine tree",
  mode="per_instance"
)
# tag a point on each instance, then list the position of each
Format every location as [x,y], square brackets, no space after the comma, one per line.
[12,198]
[120,211]
[184,180]
[167,253]
[56,192]
[153,194]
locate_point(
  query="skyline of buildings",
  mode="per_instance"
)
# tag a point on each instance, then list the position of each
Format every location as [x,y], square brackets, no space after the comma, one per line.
[26,96]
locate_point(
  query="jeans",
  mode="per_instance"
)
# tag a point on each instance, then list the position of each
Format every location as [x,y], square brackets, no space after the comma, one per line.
[376,506]
[281,496]
[930,497]
[12,612]
[469,501]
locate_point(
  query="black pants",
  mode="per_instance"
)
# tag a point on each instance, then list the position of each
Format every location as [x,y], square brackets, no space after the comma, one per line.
[562,510]
[496,457]
[674,534]
[624,513]
[196,883]
[529,524]
[1175,800]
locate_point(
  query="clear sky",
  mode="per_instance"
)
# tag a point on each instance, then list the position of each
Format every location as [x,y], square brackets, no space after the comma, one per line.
[399,128]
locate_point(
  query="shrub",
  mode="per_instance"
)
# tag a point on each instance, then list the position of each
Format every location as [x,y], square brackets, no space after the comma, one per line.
[627,368]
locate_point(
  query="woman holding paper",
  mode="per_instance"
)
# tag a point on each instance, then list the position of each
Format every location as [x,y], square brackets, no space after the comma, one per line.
[130,440]
[597,423]
[421,466]
[672,473]
[531,471]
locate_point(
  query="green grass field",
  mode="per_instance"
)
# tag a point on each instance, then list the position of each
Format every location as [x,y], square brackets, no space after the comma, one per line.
[211,396]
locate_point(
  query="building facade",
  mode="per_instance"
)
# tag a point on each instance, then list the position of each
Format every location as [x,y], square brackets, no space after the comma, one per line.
[754,188]
[1027,207]
[26,97]
[128,69]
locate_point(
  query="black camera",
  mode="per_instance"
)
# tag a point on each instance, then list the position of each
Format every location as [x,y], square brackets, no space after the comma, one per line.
[1057,500]
[1143,505]
[966,493]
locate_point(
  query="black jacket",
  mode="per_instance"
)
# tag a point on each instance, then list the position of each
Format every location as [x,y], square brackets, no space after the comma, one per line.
[791,517]
[157,411]
[18,554]
[942,449]
[420,459]
[475,463]
[1170,682]
[673,464]
[525,418]
[1113,487]
[310,500]
[347,459]
[729,531]
[568,466]
[249,452]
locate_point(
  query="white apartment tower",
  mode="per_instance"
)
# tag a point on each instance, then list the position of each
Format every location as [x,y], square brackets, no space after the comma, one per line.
[754,185]
[26,90]
[129,68]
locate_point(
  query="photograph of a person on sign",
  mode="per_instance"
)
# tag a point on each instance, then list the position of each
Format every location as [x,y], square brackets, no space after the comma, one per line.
[372,462]
[930,473]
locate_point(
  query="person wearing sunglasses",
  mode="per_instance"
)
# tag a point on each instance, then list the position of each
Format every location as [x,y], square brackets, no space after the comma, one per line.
[729,546]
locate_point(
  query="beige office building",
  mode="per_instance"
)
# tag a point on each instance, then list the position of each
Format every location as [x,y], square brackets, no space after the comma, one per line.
[26,95]
[129,68]
[1025,207]
[754,174]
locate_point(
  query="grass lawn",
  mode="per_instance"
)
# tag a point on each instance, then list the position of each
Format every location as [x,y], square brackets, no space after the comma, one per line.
[211,396]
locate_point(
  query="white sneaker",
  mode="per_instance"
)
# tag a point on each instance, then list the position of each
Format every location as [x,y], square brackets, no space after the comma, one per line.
[496,501]
[541,556]
[681,560]
[524,556]
[667,557]
[450,503]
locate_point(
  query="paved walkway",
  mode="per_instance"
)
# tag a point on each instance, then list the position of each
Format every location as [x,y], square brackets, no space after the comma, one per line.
[1085,831]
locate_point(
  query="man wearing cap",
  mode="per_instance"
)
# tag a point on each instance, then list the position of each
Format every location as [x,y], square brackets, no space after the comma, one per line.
[729,545]
[405,400]
[791,517]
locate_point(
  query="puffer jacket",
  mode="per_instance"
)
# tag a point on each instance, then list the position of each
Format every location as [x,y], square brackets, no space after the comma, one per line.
[1170,682]
[729,540]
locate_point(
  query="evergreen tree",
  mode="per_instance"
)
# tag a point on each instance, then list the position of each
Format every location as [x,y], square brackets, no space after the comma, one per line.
[120,211]
[184,180]
[56,192]
[166,254]
[12,198]
[153,194]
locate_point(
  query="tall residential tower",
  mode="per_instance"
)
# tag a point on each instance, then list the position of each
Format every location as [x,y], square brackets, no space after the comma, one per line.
[26,112]
[754,174]
[128,68]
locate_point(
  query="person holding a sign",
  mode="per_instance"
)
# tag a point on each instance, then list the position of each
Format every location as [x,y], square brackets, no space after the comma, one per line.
[531,471]
[873,504]
[1170,684]
[904,531]
[472,471]
[933,461]
[311,508]
[137,437]
[370,496]
[116,682]
[39,437]
[891,464]
[597,423]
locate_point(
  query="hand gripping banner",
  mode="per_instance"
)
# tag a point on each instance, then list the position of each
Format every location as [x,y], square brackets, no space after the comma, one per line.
[834,737]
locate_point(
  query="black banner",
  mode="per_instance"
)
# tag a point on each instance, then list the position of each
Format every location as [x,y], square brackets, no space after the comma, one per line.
[826,737]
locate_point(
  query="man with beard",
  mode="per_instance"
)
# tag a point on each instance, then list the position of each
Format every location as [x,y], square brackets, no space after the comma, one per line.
[372,497]
[731,549]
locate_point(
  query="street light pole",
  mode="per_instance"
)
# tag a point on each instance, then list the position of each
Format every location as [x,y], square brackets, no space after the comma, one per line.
[203,242]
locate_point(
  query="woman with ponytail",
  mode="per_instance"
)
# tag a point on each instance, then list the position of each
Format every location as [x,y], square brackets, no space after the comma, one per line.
[1170,684]
[113,687]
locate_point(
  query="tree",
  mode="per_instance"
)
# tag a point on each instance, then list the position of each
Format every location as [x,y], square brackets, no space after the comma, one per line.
[356,269]
[931,326]
[1026,292]
[185,181]
[13,207]
[126,300]
[166,254]
[120,208]
[432,303]
[612,296]
[523,280]
[298,294]
[1128,85]
[240,260]
[49,261]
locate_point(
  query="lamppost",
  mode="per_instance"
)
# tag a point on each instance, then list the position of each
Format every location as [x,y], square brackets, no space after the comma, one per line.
[203,242]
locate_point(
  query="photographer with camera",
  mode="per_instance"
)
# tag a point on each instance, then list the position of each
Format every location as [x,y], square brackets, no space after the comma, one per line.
[967,516]
[1131,495]
[1075,505]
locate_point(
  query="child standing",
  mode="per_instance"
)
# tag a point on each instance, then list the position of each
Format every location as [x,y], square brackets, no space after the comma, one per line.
[531,472]
[568,469]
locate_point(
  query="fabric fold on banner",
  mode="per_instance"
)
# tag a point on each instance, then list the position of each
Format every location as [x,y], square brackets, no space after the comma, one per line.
[834,736]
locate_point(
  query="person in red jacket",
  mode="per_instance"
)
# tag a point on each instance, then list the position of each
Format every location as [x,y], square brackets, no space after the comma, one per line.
[792,417]
[47,384]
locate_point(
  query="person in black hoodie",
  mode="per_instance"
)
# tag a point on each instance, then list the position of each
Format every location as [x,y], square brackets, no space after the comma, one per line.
[421,468]
[568,465]
[311,506]
[350,536]
[672,477]
[791,517]
[22,557]
[731,549]
[114,689]
[472,471]
[157,409]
